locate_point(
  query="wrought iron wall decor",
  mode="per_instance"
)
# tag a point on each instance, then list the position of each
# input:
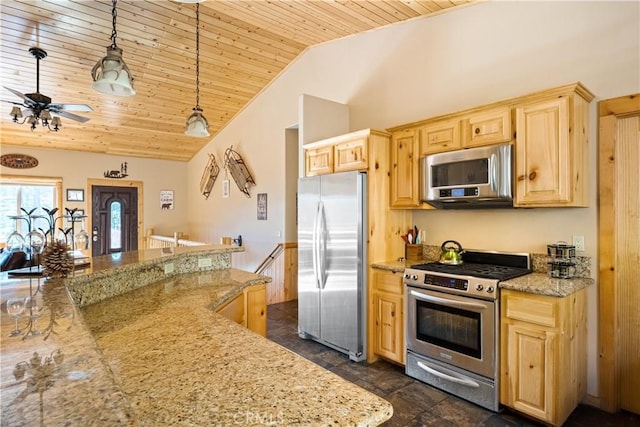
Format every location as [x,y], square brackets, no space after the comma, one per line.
[235,165]
[18,161]
[122,173]
[209,176]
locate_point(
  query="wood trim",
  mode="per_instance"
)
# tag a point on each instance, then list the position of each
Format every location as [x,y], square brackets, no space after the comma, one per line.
[609,112]
[113,183]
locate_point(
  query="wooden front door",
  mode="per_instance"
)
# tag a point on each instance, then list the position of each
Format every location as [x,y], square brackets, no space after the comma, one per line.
[114,219]
[619,251]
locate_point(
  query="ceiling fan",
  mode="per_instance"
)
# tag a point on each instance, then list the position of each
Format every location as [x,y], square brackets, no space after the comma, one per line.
[39,107]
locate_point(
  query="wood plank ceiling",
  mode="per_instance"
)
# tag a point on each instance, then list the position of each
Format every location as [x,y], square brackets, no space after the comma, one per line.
[244,45]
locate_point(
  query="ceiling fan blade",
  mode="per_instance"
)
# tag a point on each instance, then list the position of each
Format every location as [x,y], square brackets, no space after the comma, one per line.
[71,107]
[14,102]
[18,94]
[72,116]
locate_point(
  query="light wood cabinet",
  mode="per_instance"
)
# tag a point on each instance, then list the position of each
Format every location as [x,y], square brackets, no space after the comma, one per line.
[248,308]
[404,170]
[318,161]
[338,154]
[351,155]
[486,127]
[552,150]
[543,354]
[389,339]
[439,136]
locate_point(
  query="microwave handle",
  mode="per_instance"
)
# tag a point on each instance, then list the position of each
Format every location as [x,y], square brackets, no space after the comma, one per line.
[494,172]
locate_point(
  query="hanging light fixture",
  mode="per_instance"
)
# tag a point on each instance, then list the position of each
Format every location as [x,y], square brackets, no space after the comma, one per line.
[197,124]
[111,75]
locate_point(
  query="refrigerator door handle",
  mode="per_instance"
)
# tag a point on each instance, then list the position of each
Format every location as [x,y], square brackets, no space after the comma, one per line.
[322,247]
[314,247]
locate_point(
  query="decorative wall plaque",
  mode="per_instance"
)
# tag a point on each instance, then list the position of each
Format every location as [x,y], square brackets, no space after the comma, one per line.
[18,161]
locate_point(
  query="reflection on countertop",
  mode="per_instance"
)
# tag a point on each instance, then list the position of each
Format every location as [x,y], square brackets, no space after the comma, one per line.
[158,354]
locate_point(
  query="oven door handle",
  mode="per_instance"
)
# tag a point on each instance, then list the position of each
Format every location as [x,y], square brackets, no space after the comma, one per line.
[464,381]
[447,302]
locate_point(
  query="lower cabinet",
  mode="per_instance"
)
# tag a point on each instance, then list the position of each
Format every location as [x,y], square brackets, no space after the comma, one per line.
[249,308]
[543,354]
[388,300]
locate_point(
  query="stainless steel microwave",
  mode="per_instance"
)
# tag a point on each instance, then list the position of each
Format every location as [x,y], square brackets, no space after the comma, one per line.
[474,178]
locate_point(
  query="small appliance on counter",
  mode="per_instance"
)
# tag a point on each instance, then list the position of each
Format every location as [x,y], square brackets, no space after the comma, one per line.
[562,260]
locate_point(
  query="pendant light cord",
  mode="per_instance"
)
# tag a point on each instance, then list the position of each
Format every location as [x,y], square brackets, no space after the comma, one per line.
[114,34]
[197,55]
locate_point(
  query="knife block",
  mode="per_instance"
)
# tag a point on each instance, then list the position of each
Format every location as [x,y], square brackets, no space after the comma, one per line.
[413,252]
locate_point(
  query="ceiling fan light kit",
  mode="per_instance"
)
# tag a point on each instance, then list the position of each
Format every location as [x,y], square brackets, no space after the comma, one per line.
[197,125]
[111,75]
[38,107]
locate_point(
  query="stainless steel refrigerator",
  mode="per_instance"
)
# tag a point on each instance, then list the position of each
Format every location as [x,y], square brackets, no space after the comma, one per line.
[332,261]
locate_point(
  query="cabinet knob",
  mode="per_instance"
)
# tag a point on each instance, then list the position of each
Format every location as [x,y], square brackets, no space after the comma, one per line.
[532,175]
[477,130]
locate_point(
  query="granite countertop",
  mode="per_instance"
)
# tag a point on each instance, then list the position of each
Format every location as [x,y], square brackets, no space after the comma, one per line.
[160,355]
[535,283]
[543,284]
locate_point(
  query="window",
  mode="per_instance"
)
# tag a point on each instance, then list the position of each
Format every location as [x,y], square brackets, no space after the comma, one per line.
[25,192]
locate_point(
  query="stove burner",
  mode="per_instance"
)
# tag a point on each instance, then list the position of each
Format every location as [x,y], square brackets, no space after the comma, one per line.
[487,271]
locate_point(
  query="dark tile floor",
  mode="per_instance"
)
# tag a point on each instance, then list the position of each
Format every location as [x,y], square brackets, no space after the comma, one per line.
[414,403]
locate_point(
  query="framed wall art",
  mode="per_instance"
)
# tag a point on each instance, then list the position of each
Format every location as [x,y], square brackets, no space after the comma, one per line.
[75,195]
[262,206]
[166,199]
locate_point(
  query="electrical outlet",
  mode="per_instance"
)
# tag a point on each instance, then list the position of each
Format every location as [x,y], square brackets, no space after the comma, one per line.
[205,262]
[578,242]
[168,268]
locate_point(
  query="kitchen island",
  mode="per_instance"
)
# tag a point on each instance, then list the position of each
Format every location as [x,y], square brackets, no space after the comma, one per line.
[158,354]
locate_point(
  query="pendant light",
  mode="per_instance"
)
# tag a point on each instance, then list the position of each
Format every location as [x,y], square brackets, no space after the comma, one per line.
[111,75]
[197,124]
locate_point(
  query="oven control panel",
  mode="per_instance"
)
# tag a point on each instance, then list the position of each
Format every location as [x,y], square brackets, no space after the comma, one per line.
[451,283]
[446,282]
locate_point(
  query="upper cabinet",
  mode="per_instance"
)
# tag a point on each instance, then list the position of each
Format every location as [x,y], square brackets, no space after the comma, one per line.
[552,155]
[439,136]
[339,154]
[551,146]
[485,127]
[404,169]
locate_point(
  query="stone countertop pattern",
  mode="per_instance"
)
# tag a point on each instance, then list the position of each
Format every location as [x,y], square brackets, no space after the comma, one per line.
[543,284]
[160,355]
[539,283]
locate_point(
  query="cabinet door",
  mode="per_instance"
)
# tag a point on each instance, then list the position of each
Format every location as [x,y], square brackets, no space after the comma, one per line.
[389,337]
[439,136]
[350,155]
[404,170]
[318,161]
[543,163]
[529,371]
[256,308]
[487,127]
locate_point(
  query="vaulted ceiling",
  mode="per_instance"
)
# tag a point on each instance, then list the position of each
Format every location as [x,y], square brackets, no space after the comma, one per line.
[244,45]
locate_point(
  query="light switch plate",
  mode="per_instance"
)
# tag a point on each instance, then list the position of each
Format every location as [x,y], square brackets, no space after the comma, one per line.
[578,242]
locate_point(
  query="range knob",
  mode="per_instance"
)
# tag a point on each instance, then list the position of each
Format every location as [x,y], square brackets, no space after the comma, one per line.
[479,287]
[489,289]
[414,277]
[407,276]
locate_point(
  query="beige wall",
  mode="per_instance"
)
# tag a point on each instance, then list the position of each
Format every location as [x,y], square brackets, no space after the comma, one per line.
[75,168]
[456,60]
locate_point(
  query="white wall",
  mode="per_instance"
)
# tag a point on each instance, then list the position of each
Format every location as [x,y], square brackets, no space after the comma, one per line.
[472,56]
[75,168]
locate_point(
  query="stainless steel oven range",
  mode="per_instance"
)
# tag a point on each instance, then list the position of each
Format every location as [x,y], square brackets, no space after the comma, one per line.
[453,323]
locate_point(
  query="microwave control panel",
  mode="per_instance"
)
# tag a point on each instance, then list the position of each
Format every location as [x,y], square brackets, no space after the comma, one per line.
[460,192]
